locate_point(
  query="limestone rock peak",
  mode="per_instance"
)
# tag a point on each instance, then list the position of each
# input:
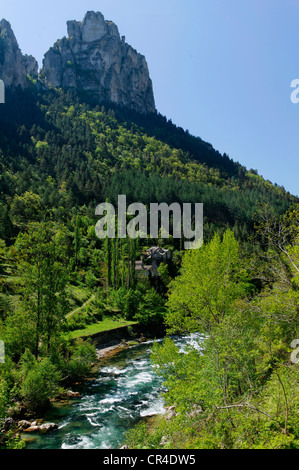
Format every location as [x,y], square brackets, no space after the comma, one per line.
[94,58]
[14,66]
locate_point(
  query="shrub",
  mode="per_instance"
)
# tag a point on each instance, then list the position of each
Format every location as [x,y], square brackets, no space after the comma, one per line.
[82,357]
[39,381]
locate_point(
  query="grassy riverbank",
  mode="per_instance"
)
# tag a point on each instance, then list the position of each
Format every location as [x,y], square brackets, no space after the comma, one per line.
[106,324]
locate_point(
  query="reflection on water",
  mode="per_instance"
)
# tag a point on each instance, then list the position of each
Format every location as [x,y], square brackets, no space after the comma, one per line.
[125,390]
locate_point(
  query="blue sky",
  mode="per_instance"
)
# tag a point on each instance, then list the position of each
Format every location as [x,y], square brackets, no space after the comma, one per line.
[220,68]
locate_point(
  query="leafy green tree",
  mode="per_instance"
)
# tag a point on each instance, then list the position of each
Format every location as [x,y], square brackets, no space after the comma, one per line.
[39,381]
[26,208]
[78,365]
[44,275]
[151,309]
[208,286]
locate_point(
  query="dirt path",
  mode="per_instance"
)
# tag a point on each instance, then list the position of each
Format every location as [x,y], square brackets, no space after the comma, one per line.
[82,306]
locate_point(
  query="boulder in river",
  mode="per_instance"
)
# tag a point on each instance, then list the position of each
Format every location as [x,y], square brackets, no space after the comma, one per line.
[26,426]
[22,425]
[32,429]
[48,427]
[72,394]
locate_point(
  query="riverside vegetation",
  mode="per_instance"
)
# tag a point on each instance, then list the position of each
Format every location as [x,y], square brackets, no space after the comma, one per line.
[61,155]
[240,390]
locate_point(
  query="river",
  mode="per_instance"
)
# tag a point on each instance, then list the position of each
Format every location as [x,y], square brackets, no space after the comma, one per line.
[125,390]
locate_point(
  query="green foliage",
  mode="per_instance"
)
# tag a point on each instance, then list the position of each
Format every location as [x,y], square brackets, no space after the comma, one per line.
[8,440]
[4,398]
[208,286]
[164,273]
[140,438]
[143,304]
[237,388]
[26,208]
[40,253]
[78,366]
[71,155]
[39,381]
[60,157]
[151,309]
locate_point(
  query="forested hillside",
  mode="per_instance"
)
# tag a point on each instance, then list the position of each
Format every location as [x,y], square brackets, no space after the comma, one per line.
[68,154]
[61,156]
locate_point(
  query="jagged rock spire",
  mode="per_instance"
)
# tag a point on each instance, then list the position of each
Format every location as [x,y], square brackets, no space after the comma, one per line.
[94,58]
[14,66]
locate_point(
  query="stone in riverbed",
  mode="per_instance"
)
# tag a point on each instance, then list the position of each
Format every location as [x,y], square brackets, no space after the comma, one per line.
[72,394]
[22,425]
[32,429]
[48,427]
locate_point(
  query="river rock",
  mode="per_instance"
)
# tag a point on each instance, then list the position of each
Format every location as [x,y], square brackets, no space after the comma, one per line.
[32,429]
[48,427]
[22,425]
[71,394]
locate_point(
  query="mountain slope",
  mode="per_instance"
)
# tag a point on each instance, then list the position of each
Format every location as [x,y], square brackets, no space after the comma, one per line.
[71,154]
[86,130]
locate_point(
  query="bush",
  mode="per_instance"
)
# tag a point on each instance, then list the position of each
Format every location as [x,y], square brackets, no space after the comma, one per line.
[78,321]
[83,355]
[39,382]
[151,309]
[127,301]
[91,280]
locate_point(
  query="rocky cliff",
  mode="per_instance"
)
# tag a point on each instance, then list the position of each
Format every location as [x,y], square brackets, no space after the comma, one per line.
[94,58]
[14,67]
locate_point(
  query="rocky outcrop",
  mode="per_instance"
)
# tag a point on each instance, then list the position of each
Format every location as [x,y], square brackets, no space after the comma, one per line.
[95,59]
[14,67]
[31,65]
